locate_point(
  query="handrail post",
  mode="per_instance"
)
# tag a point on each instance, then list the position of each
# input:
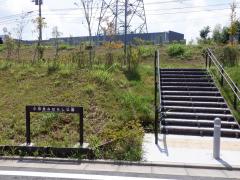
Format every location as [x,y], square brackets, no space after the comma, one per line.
[235,97]
[222,79]
[209,63]
[156,106]
[206,60]
[28,129]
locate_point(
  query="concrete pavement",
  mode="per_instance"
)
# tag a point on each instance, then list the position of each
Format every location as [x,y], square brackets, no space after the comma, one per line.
[191,151]
[35,169]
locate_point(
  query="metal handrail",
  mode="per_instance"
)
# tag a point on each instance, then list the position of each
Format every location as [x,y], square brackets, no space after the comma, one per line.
[159,82]
[223,73]
[158,104]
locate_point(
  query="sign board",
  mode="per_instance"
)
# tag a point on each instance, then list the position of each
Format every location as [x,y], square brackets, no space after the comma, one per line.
[53,109]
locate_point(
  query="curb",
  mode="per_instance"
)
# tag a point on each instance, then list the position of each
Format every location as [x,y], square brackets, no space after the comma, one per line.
[119,163]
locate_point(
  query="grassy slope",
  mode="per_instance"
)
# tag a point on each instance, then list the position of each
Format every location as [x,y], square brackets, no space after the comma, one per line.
[234,73]
[113,105]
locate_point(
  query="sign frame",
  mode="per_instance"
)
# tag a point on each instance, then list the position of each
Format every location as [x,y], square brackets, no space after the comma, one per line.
[53,109]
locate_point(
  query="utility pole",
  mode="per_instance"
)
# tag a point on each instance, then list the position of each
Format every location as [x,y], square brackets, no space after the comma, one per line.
[39,4]
[40,19]
[116,18]
[125,30]
[40,26]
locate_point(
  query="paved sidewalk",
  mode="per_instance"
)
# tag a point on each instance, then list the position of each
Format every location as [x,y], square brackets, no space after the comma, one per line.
[191,150]
[34,167]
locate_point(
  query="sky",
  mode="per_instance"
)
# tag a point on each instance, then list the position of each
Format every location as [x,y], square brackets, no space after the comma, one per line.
[184,16]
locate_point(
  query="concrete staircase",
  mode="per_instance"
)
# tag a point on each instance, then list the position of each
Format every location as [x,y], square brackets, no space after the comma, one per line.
[191,102]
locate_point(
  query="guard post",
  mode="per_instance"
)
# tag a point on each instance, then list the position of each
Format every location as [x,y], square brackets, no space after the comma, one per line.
[217,138]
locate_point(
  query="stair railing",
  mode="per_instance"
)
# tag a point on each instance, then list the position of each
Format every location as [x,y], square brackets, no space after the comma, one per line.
[158,95]
[211,59]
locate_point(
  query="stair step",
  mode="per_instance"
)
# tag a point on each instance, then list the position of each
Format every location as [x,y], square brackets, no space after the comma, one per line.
[195,104]
[185,72]
[180,130]
[194,98]
[196,109]
[205,116]
[198,123]
[201,84]
[192,93]
[186,80]
[184,76]
[186,69]
[191,102]
[187,88]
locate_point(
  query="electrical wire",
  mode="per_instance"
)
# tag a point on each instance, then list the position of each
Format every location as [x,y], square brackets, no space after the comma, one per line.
[190,7]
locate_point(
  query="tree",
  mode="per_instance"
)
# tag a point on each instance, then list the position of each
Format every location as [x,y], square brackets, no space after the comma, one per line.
[109,31]
[19,31]
[225,34]
[88,6]
[56,34]
[204,32]
[233,20]
[39,23]
[9,43]
[217,34]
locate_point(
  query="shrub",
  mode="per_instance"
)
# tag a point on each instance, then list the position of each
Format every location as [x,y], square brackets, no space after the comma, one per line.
[127,142]
[110,47]
[102,77]
[89,89]
[48,119]
[63,47]
[133,58]
[230,56]
[146,51]
[94,143]
[5,65]
[188,54]
[175,50]
[140,104]
[66,72]
[138,41]
[2,48]
[40,50]
[52,67]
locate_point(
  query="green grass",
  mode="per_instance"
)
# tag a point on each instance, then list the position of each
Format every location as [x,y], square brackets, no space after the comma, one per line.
[97,90]
[226,90]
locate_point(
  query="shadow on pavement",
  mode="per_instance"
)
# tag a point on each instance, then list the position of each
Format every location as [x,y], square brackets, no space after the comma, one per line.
[163,149]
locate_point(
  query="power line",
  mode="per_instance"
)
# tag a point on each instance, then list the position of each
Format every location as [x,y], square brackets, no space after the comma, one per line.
[190,7]
[205,10]
[165,2]
[12,17]
[170,1]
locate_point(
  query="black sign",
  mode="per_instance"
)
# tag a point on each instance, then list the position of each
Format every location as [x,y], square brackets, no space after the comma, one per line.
[53,109]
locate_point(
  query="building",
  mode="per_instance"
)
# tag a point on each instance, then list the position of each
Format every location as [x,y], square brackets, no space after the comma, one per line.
[2,38]
[155,38]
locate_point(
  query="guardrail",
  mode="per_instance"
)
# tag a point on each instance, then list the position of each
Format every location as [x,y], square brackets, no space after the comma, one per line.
[211,59]
[158,95]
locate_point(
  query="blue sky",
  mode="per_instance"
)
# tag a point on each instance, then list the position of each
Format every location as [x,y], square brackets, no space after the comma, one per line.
[178,16]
